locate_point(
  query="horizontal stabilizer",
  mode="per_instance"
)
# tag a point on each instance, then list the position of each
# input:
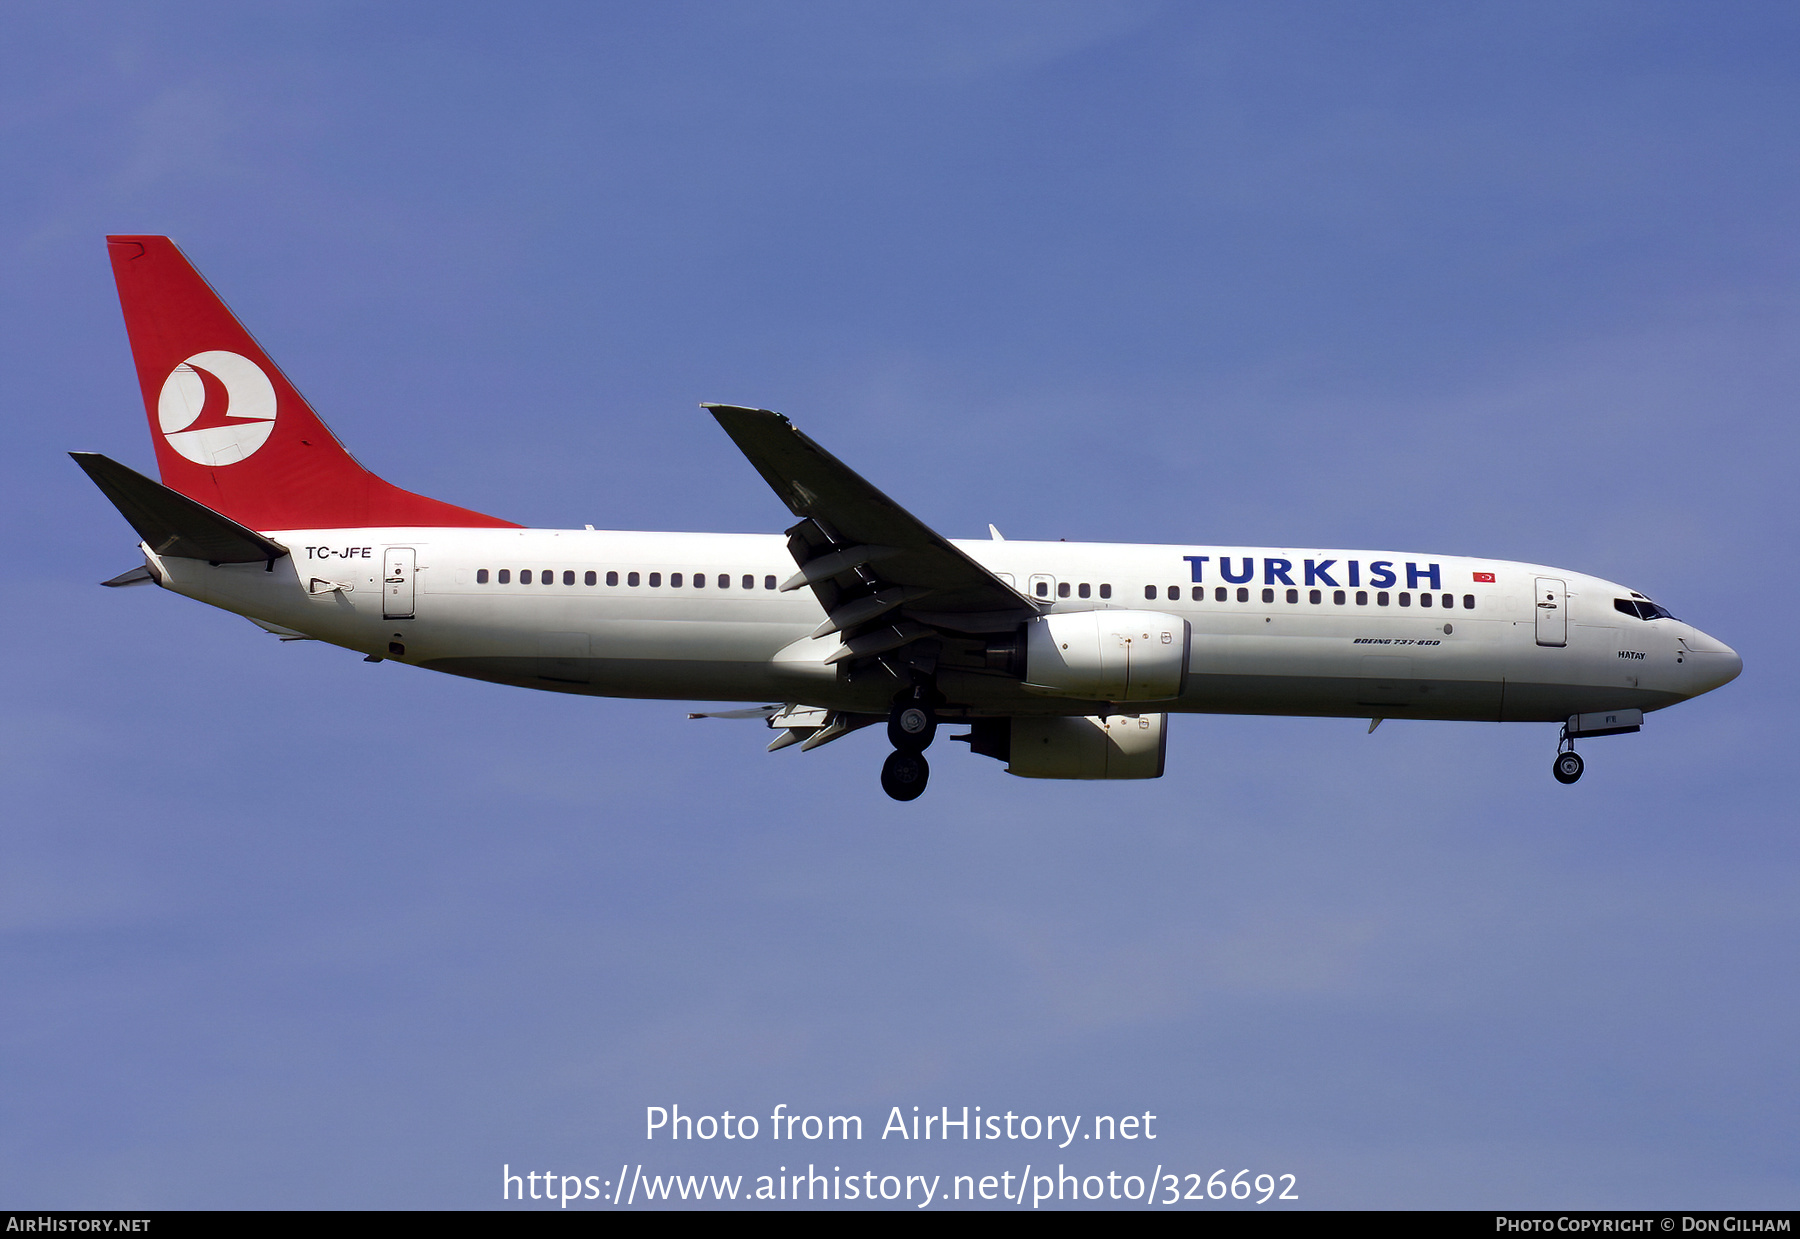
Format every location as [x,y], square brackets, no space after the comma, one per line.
[140,575]
[172,524]
[286,634]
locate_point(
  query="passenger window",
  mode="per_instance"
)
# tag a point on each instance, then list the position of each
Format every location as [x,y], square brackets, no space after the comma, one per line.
[1406,599]
[1062,591]
[724,580]
[1174,592]
[1150,591]
[1468,602]
[1199,593]
[1043,589]
[1362,598]
[1424,600]
[1293,595]
[768,582]
[1219,594]
[548,576]
[481,576]
[1268,595]
[612,578]
[525,576]
[674,580]
[1106,591]
[505,576]
[632,580]
[569,578]
[1315,597]
[1085,590]
[1243,594]
[1381,599]
[749,581]
[1449,601]
[699,580]
[656,580]
[1337,597]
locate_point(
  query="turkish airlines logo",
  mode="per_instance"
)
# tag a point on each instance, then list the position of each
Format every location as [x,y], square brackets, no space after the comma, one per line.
[217,408]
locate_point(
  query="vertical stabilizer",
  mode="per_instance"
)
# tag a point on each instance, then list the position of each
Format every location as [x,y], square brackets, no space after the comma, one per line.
[230,431]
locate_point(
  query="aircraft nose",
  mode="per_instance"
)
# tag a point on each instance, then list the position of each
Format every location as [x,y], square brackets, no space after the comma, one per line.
[1712,663]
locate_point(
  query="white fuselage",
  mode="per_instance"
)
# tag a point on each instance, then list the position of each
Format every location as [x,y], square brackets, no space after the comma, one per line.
[1306,632]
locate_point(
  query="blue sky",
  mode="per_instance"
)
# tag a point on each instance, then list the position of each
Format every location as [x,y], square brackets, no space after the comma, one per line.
[281,928]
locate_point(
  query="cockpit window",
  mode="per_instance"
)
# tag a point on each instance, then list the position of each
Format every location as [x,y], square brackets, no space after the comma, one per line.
[1643,609]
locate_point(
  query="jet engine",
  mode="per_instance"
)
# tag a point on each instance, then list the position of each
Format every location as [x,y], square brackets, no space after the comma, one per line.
[1107,655]
[1116,746]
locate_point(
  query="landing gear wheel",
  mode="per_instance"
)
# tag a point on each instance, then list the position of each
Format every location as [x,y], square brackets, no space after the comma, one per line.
[912,726]
[903,775]
[1568,767]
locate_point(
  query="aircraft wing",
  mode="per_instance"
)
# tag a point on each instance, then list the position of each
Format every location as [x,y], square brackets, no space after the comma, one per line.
[885,578]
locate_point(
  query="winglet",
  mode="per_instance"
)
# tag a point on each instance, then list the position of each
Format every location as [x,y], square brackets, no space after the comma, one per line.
[753,430]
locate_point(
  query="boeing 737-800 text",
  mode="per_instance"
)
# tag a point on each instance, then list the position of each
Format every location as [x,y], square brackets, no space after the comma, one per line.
[1063,659]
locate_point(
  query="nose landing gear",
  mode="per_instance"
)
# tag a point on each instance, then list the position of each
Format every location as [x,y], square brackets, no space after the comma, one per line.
[1594,723]
[911,728]
[1568,767]
[1568,764]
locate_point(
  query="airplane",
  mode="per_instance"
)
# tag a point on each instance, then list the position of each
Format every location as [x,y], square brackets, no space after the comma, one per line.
[1063,659]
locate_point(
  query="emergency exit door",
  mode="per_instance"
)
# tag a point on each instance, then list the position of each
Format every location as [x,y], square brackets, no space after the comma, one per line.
[397,583]
[1552,612]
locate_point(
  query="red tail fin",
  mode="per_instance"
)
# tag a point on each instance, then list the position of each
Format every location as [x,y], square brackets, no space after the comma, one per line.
[230,430]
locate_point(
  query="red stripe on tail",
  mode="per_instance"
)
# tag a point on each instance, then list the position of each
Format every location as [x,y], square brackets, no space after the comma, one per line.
[230,430]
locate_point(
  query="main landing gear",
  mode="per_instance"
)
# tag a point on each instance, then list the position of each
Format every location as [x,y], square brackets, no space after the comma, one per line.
[911,727]
[903,775]
[1568,765]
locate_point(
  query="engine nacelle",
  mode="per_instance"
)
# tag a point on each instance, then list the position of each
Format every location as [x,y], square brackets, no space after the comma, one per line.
[1119,746]
[1107,655]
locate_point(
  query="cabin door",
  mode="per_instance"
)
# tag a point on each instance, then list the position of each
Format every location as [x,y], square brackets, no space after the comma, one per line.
[1552,612]
[397,583]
